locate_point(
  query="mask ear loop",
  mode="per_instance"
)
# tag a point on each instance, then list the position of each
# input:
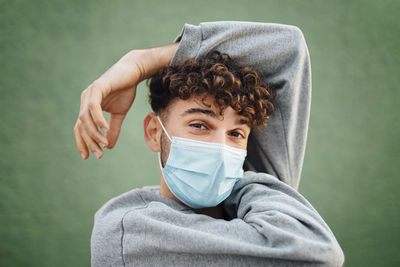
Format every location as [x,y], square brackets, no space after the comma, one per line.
[159,162]
[165,131]
[159,154]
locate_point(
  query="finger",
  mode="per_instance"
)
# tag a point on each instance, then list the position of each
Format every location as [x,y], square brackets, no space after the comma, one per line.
[115,128]
[83,98]
[96,110]
[91,130]
[80,144]
[92,145]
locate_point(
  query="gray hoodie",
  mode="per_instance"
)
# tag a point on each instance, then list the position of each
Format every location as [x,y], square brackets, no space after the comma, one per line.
[268,222]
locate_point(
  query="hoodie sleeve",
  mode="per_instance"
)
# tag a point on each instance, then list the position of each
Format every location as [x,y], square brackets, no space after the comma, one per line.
[279,53]
[293,229]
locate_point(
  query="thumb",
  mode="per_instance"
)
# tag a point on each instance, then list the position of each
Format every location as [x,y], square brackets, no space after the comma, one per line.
[112,133]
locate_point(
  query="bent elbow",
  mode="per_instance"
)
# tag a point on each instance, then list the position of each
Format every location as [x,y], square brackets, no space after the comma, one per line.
[297,35]
[333,255]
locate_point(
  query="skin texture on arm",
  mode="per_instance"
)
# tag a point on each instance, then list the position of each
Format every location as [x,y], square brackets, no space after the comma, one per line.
[114,92]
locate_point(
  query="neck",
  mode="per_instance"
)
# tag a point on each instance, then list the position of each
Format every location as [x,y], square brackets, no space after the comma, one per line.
[215,212]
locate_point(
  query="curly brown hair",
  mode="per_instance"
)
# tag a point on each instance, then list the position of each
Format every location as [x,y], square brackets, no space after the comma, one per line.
[218,76]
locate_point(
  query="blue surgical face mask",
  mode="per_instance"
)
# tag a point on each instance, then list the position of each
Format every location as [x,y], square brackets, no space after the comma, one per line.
[201,174]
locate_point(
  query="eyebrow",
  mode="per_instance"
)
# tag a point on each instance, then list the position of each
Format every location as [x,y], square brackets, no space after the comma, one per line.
[199,110]
[209,113]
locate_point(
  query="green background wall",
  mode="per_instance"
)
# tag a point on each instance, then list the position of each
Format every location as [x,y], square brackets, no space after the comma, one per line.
[51,50]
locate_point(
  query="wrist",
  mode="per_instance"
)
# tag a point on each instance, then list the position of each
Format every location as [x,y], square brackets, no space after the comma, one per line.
[149,61]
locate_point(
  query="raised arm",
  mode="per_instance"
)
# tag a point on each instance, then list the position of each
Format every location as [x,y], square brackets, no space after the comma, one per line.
[280,54]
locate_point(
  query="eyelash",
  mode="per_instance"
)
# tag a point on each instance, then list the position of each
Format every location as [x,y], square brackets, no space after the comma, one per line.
[240,135]
[206,128]
[196,124]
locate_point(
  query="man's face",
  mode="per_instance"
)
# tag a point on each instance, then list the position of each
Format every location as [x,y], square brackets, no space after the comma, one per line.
[192,119]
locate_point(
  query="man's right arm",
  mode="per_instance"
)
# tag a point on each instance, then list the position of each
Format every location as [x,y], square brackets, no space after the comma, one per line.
[279,53]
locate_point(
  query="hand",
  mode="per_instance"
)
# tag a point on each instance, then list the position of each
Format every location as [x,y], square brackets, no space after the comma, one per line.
[114,92]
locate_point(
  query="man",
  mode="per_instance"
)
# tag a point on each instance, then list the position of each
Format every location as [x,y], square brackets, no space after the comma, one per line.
[204,212]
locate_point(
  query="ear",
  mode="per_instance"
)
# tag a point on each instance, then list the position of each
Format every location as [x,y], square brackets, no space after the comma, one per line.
[152,132]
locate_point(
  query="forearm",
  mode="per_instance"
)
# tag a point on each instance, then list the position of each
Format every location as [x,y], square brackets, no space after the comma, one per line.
[151,60]
[114,92]
[285,218]
[138,65]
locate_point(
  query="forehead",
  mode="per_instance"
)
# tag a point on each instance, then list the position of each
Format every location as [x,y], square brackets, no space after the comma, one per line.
[197,106]
[180,105]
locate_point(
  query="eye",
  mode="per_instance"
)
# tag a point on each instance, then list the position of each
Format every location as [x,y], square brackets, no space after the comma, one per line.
[199,126]
[236,134]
